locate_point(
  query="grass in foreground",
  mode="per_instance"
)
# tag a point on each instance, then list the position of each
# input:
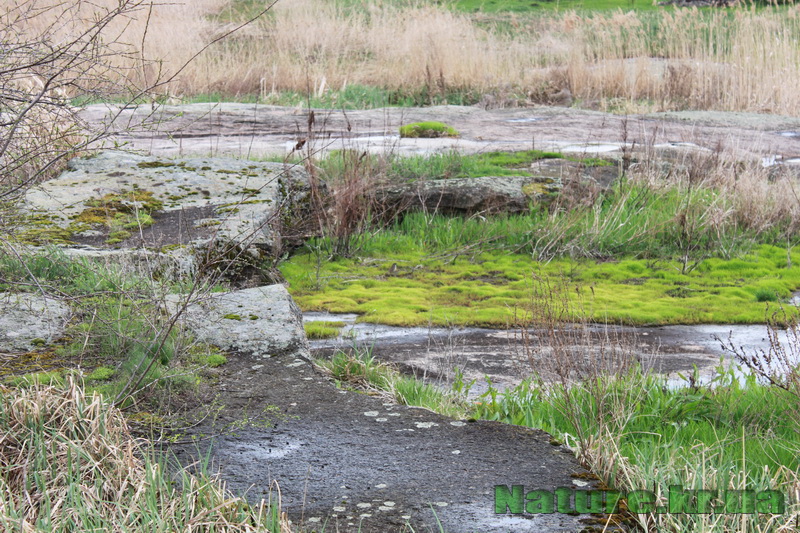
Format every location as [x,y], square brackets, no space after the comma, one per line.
[637,433]
[117,331]
[69,463]
[360,370]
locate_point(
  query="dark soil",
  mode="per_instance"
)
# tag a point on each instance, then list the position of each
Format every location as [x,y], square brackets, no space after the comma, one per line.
[348,461]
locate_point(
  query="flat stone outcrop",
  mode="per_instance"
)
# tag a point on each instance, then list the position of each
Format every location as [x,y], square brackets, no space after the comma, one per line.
[30,321]
[156,202]
[263,321]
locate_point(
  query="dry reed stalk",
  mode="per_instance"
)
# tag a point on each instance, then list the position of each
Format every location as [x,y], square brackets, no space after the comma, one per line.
[55,441]
[743,60]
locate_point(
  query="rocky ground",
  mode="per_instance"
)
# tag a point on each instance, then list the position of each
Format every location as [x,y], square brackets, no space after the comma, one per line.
[343,460]
[249,130]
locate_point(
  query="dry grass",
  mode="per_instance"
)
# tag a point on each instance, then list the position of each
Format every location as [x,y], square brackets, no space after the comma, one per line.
[69,463]
[744,59]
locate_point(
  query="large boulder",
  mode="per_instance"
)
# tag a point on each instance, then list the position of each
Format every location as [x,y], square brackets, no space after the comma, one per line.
[127,200]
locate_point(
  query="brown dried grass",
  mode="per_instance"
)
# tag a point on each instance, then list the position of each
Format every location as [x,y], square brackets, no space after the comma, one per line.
[68,462]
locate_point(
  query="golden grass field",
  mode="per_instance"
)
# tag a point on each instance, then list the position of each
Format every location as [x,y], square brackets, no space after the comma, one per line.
[743,59]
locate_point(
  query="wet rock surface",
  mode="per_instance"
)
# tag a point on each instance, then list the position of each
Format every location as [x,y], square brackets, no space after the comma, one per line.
[246,130]
[509,356]
[29,321]
[354,462]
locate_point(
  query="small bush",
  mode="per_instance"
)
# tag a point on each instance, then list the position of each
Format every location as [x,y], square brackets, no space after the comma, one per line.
[427,130]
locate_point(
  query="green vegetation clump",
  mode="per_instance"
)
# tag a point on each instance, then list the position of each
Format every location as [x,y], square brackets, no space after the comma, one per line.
[101,373]
[360,370]
[120,213]
[216,359]
[323,329]
[52,377]
[428,130]
[484,289]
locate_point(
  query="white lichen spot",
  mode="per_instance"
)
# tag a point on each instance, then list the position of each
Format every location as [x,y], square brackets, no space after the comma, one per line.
[458,423]
[426,425]
[381,419]
[384,508]
[389,504]
[371,413]
[381,486]
[440,504]
[256,367]
[339,509]
[394,414]
[456,452]
[364,505]
[364,515]
[314,519]
[406,517]
[579,483]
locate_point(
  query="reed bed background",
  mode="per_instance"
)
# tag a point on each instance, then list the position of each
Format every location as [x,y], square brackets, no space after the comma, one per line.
[743,59]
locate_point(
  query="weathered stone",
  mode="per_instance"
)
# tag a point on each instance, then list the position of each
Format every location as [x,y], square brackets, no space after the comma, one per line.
[197,201]
[508,194]
[263,321]
[29,321]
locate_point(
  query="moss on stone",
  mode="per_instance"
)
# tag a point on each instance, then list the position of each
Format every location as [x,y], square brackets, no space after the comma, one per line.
[428,130]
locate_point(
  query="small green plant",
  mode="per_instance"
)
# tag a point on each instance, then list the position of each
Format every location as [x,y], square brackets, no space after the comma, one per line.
[360,370]
[323,329]
[766,295]
[427,130]
[101,373]
[216,359]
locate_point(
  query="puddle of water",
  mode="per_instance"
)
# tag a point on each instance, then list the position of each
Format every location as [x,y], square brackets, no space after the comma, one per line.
[788,133]
[501,354]
[590,148]
[524,120]
[246,450]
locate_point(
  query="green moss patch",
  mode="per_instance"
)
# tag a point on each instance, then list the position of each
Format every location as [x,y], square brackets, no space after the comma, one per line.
[427,130]
[120,213]
[495,289]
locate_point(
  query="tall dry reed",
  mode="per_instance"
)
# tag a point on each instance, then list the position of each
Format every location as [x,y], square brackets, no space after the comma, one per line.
[743,59]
